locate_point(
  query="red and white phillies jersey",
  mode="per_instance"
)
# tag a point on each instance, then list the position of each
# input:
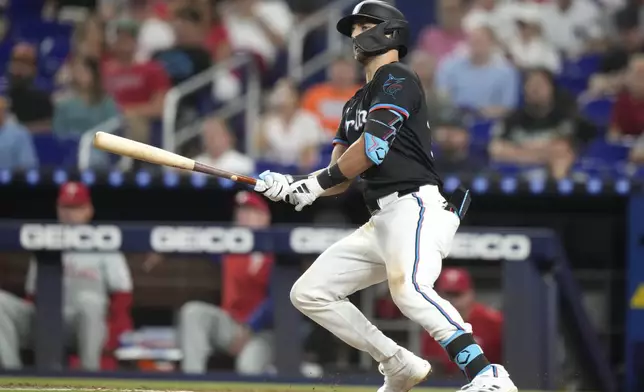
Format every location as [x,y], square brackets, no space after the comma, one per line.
[245,283]
[88,275]
[135,84]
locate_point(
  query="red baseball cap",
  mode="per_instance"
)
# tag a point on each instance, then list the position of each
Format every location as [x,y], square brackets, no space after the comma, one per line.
[251,199]
[73,194]
[454,280]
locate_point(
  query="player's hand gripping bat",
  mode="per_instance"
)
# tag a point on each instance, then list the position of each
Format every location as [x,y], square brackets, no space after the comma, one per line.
[144,152]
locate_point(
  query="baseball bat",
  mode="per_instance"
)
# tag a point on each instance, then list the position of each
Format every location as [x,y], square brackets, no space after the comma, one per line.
[144,152]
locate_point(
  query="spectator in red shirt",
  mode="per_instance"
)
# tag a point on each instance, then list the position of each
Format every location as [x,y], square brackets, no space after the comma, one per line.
[138,88]
[217,40]
[455,285]
[628,112]
[238,325]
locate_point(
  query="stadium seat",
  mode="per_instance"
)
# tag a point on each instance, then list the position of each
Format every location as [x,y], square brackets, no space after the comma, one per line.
[598,111]
[479,153]
[47,149]
[583,67]
[575,74]
[589,64]
[481,132]
[35,30]
[510,169]
[574,86]
[21,8]
[639,173]
[5,54]
[624,169]
[55,152]
[68,148]
[590,167]
[55,48]
[603,151]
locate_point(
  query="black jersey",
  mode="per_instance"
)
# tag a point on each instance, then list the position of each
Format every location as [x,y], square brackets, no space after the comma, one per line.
[409,162]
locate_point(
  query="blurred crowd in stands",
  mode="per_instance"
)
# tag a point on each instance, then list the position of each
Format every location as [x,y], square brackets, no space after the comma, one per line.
[527,87]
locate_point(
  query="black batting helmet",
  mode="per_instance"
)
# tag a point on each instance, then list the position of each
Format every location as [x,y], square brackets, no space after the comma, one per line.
[391,32]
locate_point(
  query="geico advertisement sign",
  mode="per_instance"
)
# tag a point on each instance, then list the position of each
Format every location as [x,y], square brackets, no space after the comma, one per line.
[201,239]
[62,237]
[315,240]
[491,246]
[465,246]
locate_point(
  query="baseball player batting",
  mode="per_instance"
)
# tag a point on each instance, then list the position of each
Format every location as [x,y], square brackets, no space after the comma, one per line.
[385,140]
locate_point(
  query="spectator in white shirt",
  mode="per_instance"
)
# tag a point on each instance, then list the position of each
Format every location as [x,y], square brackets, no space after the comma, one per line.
[219,149]
[573,26]
[288,134]
[155,34]
[495,14]
[258,27]
[529,49]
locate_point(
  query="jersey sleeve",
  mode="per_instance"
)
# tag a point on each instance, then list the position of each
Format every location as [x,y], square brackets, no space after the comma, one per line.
[117,273]
[341,135]
[395,88]
[395,95]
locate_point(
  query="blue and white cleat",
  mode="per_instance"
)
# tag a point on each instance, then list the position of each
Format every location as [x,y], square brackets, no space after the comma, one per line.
[494,379]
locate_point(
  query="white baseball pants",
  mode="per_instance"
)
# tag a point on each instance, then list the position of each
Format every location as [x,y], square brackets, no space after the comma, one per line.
[205,328]
[403,243]
[84,326]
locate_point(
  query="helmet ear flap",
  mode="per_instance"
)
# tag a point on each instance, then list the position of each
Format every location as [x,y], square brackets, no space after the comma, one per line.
[385,36]
[400,36]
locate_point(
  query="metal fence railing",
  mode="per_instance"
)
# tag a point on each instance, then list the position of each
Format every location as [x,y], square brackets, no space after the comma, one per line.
[300,69]
[248,103]
[85,146]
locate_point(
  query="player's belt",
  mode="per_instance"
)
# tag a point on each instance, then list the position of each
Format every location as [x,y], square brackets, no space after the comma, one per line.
[458,202]
[373,206]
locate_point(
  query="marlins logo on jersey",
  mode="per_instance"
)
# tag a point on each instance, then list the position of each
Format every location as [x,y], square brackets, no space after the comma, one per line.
[393,85]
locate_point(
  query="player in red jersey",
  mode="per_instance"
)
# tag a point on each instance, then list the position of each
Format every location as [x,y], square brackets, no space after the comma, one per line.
[455,285]
[238,326]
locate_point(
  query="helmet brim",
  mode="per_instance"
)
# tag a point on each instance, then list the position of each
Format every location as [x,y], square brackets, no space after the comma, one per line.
[345,25]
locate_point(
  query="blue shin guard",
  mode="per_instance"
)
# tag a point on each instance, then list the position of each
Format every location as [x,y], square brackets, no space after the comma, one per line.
[464,352]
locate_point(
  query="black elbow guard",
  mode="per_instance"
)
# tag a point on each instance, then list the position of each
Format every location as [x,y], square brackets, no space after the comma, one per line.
[382,127]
